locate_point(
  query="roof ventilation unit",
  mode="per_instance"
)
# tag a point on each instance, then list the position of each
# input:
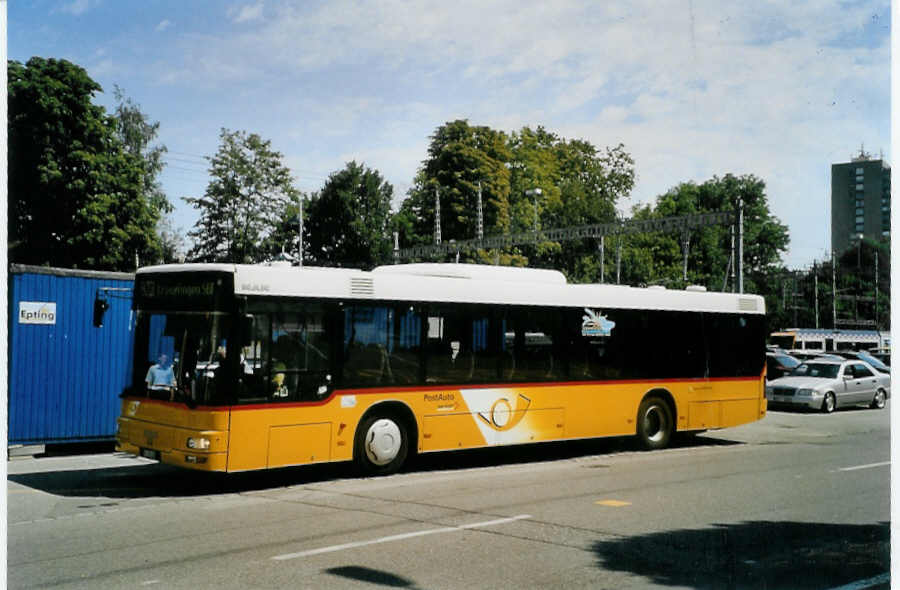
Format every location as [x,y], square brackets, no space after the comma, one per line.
[362,286]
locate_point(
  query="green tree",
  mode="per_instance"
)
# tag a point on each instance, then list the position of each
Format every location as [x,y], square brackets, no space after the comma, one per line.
[244,201]
[348,222]
[75,192]
[709,251]
[858,283]
[461,157]
[173,247]
[580,185]
[137,133]
[284,241]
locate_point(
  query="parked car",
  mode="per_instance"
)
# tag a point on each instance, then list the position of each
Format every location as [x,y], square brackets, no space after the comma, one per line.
[805,355]
[827,385]
[779,364]
[864,356]
[882,354]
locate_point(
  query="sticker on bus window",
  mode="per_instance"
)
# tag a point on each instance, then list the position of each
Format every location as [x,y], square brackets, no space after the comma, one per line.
[593,323]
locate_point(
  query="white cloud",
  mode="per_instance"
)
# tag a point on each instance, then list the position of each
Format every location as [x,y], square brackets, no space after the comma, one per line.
[79,7]
[246,13]
[163,25]
[692,88]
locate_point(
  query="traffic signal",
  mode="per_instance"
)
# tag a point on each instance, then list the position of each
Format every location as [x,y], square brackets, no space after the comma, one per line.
[100,307]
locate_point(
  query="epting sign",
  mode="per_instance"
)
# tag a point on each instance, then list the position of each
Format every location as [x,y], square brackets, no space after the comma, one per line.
[37,312]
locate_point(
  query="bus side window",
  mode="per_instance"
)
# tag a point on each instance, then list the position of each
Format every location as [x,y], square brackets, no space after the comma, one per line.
[734,344]
[300,355]
[367,345]
[532,349]
[461,346]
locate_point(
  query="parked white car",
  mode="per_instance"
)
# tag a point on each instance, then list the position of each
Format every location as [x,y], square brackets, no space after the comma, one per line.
[826,385]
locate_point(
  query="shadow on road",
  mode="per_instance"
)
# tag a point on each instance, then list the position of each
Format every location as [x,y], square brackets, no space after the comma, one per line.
[553,451]
[370,576]
[157,480]
[763,554]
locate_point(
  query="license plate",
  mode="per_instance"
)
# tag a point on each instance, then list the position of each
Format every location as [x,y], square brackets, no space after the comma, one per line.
[150,454]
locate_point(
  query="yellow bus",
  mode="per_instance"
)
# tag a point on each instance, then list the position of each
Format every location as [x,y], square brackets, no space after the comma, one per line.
[244,367]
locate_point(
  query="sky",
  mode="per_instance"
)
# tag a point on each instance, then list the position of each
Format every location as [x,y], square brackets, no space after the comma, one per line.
[692,88]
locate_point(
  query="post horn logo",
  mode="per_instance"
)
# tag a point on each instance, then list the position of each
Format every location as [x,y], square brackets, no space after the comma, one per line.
[504,415]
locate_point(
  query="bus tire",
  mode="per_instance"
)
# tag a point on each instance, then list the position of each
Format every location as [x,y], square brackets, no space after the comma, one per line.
[381,444]
[654,423]
[829,403]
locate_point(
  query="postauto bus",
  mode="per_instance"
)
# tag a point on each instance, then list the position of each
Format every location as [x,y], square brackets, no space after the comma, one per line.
[272,366]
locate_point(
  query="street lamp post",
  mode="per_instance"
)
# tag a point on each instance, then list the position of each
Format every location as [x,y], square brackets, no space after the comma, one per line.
[535,192]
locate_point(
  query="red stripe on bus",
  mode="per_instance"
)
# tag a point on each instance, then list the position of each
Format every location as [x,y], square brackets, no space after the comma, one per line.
[451,387]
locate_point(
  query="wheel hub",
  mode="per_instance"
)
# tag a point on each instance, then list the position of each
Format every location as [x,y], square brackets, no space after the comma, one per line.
[383,441]
[654,424]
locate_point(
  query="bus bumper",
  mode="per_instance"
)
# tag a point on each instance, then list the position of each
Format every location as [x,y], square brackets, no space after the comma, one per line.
[189,459]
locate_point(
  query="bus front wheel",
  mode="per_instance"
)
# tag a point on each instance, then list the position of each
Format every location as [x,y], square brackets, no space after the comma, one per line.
[381,445]
[654,423]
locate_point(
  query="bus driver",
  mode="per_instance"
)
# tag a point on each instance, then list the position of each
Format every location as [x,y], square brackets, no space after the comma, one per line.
[160,377]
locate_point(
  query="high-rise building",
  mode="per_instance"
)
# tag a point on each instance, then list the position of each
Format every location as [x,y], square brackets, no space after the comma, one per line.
[860,201]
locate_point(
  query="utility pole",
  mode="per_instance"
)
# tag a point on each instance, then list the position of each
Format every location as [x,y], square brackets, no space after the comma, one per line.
[300,229]
[794,297]
[729,268]
[480,227]
[535,192]
[602,238]
[833,293]
[437,217]
[733,258]
[876,289]
[816,292]
[685,244]
[740,248]
[619,259]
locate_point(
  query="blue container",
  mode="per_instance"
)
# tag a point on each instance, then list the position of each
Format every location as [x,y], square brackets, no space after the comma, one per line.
[65,374]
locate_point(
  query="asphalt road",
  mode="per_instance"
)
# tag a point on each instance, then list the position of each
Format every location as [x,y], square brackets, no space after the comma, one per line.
[795,501]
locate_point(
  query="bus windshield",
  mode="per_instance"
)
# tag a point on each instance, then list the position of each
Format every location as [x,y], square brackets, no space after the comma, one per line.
[183,357]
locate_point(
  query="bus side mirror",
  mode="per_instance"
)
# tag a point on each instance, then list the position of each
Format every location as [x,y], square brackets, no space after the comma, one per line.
[100,307]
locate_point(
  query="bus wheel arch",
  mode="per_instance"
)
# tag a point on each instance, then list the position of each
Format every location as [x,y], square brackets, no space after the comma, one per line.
[656,419]
[387,434]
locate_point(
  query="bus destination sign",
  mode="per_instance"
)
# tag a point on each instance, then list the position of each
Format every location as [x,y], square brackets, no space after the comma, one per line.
[203,291]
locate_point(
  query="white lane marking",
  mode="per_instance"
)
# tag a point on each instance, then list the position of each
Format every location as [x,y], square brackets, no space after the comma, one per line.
[400,537]
[862,584]
[869,466]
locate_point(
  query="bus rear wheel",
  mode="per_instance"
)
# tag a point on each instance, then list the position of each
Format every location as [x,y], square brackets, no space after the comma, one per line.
[654,423]
[381,444]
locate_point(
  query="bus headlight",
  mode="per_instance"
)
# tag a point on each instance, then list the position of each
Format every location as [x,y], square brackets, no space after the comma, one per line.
[198,443]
